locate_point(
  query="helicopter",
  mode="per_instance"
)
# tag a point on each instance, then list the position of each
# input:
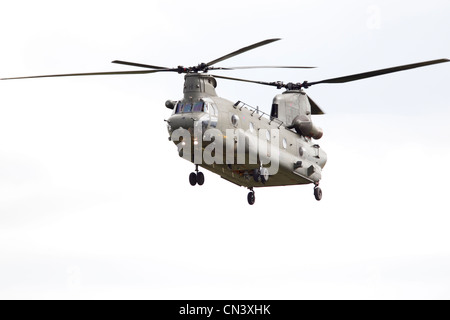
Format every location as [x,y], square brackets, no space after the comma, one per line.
[241,143]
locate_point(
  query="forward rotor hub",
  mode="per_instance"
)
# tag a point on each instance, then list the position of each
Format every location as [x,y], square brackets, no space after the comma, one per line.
[199,68]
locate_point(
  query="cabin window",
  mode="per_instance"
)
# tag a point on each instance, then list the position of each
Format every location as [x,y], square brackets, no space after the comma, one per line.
[235,120]
[284,143]
[301,151]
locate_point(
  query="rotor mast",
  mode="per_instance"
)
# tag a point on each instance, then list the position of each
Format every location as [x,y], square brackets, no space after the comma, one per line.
[199,85]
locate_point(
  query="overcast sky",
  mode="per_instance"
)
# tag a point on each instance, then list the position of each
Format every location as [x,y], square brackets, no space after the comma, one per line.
[95,202]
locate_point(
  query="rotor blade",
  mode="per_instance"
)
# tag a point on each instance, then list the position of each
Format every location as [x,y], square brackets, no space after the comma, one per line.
[138,65]
[235,53]
[273,84]
[261,67]
[376,73]
[89,74]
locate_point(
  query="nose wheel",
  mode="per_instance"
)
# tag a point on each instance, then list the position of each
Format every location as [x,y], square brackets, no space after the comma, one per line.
[251,197]
[196,177]
[317,192]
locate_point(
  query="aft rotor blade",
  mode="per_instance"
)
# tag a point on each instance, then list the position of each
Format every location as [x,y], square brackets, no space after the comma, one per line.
[89,74]
[261,67]
[376,73]
[273,84]
[235,53]
[138,65]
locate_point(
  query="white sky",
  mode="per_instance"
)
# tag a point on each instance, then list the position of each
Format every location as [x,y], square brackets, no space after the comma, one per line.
[95,203]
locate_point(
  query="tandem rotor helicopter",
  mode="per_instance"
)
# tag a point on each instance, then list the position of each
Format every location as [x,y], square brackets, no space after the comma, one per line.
[204,122]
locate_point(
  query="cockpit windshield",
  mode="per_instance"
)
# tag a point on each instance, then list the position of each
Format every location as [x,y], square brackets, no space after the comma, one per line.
[198,107]
[188,107]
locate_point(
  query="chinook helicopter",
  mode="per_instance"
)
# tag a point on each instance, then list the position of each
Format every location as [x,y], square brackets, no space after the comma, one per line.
[242,144]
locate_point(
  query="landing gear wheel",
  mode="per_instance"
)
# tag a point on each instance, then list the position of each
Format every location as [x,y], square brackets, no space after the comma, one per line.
[196,177]
[200,178]
[251,198]
[193,179]
[261,175]
[318,193]
[264,173]
[257,176]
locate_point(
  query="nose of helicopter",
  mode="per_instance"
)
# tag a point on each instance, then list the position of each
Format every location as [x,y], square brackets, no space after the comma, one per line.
[187,121]
[179,121]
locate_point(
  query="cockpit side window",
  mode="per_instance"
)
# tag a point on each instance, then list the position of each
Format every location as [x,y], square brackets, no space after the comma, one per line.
[212,109]
[179,108]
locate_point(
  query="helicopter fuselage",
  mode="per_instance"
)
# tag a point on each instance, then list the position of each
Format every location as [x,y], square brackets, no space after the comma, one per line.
[298,159]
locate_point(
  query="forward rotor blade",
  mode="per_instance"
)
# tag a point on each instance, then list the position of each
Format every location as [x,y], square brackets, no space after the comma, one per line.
[89,74]
[138,65]
[376,73]
[235,53]
[261,67]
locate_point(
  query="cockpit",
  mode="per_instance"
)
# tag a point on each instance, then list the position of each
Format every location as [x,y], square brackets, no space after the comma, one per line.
[185,113]
[199,106]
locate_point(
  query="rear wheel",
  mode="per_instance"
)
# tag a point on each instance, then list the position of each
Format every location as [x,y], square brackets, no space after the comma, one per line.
[264,175]
[257,176]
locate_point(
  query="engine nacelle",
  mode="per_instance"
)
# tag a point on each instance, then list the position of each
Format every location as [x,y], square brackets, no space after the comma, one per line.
[304,126]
